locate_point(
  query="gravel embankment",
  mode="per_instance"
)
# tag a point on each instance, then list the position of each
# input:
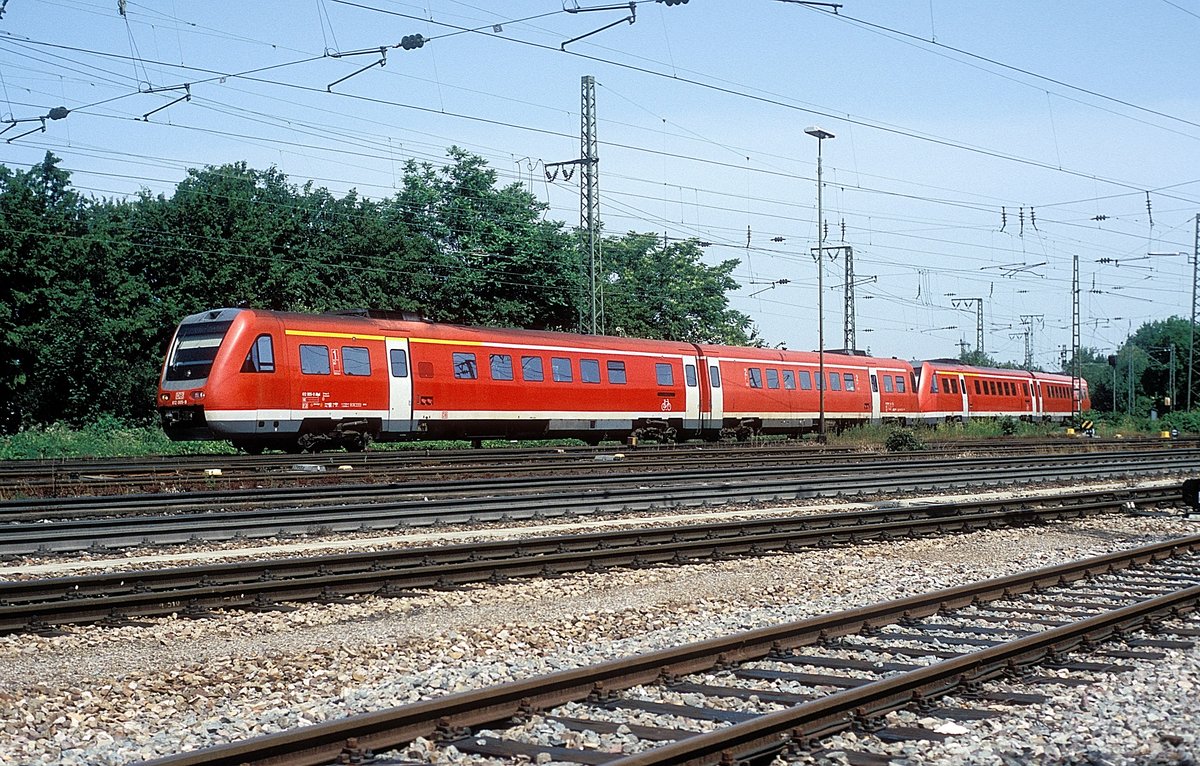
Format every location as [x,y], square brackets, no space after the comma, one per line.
[114,696]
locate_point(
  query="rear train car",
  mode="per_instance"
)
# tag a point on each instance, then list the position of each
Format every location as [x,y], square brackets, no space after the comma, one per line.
[951,391]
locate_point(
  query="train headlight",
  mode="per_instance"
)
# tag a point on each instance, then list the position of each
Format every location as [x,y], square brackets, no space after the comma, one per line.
[197,395]
[165,397]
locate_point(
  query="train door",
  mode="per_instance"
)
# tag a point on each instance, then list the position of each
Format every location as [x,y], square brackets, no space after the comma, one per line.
[873,374]
[714,414]
[400,394]
[962,388]
[691,400]
[1035,387]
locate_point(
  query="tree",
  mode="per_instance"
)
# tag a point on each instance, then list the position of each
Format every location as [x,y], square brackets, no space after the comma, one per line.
[657,290]
[492,258]
[980,359]
[42,221]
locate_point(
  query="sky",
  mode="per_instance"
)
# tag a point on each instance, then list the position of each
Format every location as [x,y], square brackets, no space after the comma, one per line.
[978,148]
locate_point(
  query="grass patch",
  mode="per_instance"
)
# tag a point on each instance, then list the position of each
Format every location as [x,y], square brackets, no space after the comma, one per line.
[107,438]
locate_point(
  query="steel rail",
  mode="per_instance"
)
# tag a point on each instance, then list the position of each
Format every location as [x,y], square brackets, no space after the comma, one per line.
[14,509]
[381,731]
[357,471]
[828,715]
[609,494]
[40,605]
[67,472]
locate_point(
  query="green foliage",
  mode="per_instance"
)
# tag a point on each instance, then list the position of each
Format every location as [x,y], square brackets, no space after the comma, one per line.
[903,440]
[657,290]
[1146,358]
[980,359]
[1186,422]
[105,438]
[1007,425]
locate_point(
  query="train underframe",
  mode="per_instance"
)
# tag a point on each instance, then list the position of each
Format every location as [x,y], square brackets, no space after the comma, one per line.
[356,434]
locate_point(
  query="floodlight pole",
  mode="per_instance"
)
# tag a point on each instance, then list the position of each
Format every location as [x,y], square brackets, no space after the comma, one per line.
[820,135]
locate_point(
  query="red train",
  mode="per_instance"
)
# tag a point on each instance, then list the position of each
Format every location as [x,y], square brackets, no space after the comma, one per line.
[299,381]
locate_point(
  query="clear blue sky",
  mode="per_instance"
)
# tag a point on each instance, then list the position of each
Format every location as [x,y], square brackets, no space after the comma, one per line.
[945,113]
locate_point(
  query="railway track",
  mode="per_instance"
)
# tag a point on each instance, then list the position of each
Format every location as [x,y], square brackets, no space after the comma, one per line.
[97,524]
[748,697]
[59,478]
[114,599]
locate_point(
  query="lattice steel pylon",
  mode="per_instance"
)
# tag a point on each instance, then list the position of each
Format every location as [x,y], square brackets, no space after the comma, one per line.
[1027,336]
[1076,364]
[978,319]
[1192,331]
[589,196]
[848,340]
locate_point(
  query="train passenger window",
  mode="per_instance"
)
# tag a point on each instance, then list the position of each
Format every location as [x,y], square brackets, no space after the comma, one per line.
[805,380]
[356,360]
[772,378]
[589,370]
[714,375]
[425,369]
[900,384]
[531,369]
[933,386]
[789,380]
[560,369]
[616,371]
[314,360]
[819,380]
[849,378]
[689,374]
[261,357]
[992,386]
[945,385]
[835,382]
[464,366]
[664,374]
[887,384]
[399,362]
[954,381]
[754,377]
[1010,389]
[977,387]
[1025,389]
[501,367]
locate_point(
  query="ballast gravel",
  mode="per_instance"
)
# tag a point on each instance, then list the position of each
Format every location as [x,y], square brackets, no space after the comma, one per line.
[121,695]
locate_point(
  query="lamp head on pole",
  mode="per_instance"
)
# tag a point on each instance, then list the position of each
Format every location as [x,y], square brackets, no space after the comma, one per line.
[818,133]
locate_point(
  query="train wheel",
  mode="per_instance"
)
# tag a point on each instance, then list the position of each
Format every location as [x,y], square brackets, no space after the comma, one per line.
[358,443]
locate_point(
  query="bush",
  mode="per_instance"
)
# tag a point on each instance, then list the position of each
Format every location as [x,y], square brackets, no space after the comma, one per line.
[1008,425]
[903,440]
[1186,422]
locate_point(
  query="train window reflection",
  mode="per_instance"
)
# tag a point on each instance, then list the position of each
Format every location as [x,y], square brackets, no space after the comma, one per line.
[464,366]
[531,369]
[314,360]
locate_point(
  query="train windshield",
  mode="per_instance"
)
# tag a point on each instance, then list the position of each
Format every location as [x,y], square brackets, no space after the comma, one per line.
[195,348]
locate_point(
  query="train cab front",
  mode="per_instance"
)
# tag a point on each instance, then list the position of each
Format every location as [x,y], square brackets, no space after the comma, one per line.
[185,376]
